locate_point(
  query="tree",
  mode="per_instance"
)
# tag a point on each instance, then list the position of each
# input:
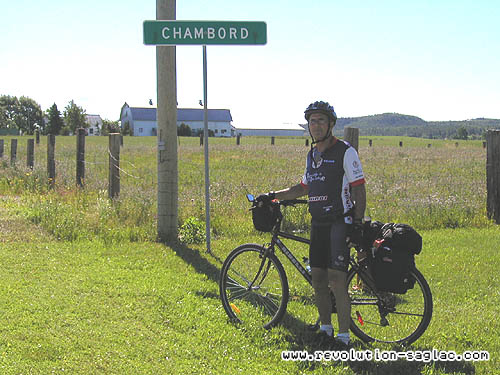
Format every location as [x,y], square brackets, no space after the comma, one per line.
[126,130]
[184,130]
[74,117]
[29,115]
[24,113]
[8,111]
[109,126]
[56,122]
[462,133]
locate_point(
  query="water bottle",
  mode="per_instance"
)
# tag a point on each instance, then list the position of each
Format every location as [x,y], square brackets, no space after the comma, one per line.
[308,267]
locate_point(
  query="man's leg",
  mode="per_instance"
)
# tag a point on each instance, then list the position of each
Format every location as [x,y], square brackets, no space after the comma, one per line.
[322,294]
[338,283]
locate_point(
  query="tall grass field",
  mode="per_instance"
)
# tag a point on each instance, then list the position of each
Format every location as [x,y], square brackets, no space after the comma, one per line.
[86,288]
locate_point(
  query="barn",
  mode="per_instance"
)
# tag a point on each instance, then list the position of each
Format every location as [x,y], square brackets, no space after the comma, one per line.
[142,120]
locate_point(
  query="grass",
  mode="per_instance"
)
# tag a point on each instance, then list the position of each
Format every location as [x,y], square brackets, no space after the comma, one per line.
[144,308]
[86,289]
[439,187]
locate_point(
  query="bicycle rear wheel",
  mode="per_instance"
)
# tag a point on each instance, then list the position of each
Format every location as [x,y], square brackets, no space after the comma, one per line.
[392,318]
[253,287]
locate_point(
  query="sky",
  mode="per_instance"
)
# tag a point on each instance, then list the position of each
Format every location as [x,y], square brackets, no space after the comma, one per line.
[438,60]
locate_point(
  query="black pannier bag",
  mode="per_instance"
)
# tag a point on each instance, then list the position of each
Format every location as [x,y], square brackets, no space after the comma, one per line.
[266,216]
[392,257]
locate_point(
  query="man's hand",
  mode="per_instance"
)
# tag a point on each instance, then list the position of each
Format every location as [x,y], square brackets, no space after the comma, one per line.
[265,198]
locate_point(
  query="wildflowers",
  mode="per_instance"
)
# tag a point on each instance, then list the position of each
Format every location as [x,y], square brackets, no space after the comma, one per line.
[439,187]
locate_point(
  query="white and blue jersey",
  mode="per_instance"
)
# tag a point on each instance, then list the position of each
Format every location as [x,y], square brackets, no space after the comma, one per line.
[329,176]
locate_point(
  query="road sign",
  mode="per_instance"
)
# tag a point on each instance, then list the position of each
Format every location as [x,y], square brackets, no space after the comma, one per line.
[204,32]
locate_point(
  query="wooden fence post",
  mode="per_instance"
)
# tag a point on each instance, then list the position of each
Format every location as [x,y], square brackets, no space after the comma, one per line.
[37,136]
[493,174]
[238,139]
[1,148]
[351,135]
[307,142]
[121,140]
[370,142]
[51,163]
[114,165]
[13,151]
[30,157]
[80,157]
[272,141]
[400,143]
[201,139]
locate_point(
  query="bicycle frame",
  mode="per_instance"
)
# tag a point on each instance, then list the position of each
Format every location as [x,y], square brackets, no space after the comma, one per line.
[288,253]
[352,263]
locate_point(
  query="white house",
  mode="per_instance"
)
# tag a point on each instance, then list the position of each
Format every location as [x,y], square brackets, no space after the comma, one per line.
[142,120]
[94,124]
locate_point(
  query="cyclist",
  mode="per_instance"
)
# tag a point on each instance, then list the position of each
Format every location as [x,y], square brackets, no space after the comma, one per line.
[334,182]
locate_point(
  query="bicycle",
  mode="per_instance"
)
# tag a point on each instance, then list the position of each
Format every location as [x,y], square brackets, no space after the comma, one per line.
[253,286]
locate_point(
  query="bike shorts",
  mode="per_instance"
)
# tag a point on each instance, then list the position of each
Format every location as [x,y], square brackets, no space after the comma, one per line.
[328,247]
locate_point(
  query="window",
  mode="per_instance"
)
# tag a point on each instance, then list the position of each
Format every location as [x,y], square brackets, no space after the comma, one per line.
[140,130]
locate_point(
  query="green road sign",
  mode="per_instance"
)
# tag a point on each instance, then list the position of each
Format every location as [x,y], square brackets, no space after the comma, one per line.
[204,32]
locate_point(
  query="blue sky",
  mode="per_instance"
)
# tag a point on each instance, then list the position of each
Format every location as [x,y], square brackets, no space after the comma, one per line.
[438,60]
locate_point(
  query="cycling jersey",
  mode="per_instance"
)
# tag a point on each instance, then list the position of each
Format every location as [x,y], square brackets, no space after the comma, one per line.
[329,179]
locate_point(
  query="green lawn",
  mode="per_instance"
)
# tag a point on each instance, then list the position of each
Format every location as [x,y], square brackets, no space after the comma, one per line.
[144,308]
[85,289]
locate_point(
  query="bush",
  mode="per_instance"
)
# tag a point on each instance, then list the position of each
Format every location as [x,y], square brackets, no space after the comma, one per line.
[192,231]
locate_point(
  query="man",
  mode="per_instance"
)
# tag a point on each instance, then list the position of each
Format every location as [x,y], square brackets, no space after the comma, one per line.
[334,182]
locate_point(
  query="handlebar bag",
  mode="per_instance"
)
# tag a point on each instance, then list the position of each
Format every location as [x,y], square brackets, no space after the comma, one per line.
[266,216]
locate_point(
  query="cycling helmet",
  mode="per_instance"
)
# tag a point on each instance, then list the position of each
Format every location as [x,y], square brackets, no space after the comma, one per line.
[323,107]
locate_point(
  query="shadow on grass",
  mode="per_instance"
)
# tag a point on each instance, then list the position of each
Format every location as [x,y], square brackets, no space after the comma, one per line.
[300,338]
[198,261]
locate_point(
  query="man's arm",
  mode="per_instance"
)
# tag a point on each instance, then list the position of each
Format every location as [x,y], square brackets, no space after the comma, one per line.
[292,193]
[358,194]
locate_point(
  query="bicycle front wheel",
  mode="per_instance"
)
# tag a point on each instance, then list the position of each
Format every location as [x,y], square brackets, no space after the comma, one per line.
[388,317]
[253,286]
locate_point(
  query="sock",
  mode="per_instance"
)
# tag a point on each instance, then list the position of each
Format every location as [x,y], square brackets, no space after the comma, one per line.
[344,337]
[328,328]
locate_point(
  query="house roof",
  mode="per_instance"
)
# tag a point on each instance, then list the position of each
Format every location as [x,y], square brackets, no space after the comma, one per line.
[183,114]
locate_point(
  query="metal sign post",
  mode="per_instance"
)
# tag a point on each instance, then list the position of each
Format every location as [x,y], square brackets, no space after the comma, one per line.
[205,131]
[175,32]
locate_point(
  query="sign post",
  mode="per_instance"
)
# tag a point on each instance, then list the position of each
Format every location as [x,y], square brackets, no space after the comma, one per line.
[176,32]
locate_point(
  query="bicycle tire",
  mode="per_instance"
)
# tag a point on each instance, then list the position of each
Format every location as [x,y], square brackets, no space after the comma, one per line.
[265,302]
[411,315]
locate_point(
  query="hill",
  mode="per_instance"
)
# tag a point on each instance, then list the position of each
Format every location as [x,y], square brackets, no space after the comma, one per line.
[413,126]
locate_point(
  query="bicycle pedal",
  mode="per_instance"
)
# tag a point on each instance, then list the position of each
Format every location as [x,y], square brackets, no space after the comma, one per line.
[313,327]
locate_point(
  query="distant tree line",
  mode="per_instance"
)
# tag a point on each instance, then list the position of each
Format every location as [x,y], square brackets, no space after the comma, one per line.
[184,130]
[403,125]
[24,115]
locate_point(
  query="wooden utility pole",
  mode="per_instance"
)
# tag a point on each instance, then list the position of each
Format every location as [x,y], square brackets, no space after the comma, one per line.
[166,117]
[493,174]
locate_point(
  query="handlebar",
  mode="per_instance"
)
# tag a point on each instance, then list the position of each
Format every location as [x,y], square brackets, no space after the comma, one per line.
[291,202]
[284,203]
